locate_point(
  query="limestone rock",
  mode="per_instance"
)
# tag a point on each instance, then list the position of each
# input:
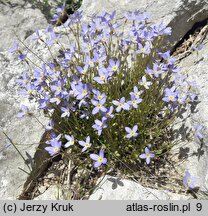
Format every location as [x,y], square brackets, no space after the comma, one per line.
[18,17]
[112,188]
[25,133]
[194,151]
[52,193]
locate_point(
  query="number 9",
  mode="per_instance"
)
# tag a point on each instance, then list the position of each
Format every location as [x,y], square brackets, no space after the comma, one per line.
[198,206]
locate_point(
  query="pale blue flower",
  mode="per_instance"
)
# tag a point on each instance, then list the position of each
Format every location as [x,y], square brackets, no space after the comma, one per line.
[147,155]
[99,159]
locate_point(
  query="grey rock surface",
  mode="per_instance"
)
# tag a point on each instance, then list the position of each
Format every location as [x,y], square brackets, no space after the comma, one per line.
[112,188]
[52,193]
[18,17]
[25,133]
[181,15]
[193,152]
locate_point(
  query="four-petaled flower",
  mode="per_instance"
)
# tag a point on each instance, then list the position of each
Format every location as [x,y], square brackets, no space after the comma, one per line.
[189,180]
[170,95]
[145,83]
[99,125]
[136,92]
[28,89]
[66,112]
[70,141]
[98,95]
[143,49]
[109,113]
[131,132]
[86,144]
[55,147]
[113,66]
[134,101]
[23,81]
[99,159]
[121,104]
[82,90]
[147,155]
[83,70]
[98,106]
[103,75]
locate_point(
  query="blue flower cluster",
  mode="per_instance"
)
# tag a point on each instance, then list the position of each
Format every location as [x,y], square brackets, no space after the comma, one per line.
[104,81]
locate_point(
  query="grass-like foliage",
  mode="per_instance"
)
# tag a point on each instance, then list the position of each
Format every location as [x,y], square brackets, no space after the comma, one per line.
[112,95]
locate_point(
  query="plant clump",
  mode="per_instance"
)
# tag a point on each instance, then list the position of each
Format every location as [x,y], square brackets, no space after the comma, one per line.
[112,95]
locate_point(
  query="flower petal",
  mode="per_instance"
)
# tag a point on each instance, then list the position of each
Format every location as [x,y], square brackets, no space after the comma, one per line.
[148,160]
[94,157]
[128,130]
[101,153]
[97,164]
[143,156]
[147,151]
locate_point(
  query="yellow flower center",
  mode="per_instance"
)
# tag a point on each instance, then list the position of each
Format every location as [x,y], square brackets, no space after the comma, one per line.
[120,104]
[84,92]
[102,77]
[24,81]
[29,91]
[84,72]
[147,155]
[134,102]
[171,97]
[99,105]
[100,159]
[132,133]
[189,180]
[55,149]
[100,97]
[59,88]
[86,144]
[142,50]
[91,63]
[114,68]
